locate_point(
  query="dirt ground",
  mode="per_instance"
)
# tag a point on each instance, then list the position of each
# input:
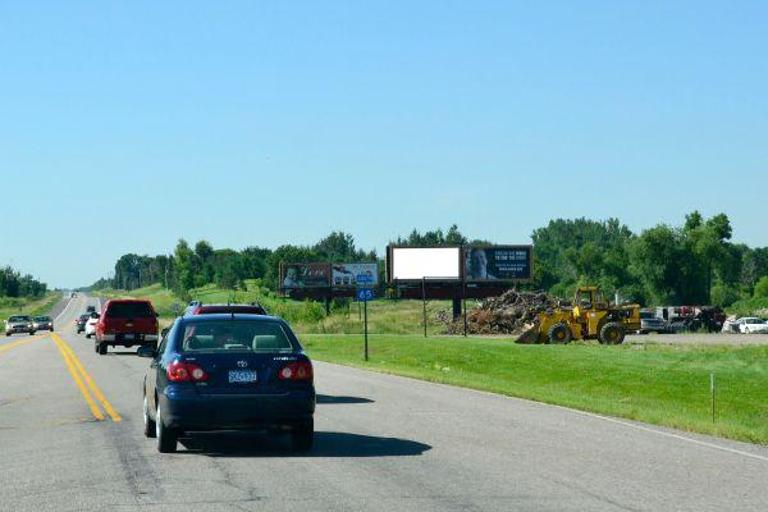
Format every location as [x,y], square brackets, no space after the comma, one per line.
[700,339]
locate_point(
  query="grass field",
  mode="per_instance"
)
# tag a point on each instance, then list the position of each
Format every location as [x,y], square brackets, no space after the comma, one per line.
[385,316]
[662,385]
[14,306]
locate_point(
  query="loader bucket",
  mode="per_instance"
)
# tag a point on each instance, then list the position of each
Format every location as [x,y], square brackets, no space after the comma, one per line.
[530,335]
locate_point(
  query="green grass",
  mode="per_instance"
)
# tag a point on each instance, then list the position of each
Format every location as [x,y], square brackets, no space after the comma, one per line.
[662,385]
[26,306]
[385,316]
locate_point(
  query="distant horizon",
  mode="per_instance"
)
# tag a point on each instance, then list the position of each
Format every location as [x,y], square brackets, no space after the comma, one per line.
[380,252]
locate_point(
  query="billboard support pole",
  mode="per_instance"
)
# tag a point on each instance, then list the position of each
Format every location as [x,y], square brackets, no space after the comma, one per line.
[365,314]
[464,304]
[424,302]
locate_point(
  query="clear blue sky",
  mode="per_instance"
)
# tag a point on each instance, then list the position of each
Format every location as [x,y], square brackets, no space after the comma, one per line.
[126,125]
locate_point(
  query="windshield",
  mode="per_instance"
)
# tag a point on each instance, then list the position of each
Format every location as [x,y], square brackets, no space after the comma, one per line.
[243,336]
[754,321]
[646,315]
[42,319]
[19,319]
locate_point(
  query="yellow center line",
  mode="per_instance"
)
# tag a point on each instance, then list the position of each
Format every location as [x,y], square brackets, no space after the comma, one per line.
[14,344]
[91,384]
[78,381]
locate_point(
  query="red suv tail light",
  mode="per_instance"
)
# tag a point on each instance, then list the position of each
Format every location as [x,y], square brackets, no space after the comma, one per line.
[179,371]
[300,371]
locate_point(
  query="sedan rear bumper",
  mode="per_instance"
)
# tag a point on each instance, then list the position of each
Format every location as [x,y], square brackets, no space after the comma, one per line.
[188,411]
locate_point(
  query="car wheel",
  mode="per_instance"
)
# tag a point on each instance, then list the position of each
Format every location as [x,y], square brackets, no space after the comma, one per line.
[102,348]
[167,439]
[303,436]
[32,333]
[150,429]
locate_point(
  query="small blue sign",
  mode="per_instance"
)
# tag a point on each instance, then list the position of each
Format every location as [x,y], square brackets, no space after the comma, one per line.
[365,294]
[364,279]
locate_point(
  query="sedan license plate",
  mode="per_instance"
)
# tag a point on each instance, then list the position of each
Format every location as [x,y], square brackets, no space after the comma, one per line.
[242,376]
[129,336]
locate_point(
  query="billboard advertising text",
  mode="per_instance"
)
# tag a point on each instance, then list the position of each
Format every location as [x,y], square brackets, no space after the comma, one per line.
[305,275]
[499,263]
[351,275]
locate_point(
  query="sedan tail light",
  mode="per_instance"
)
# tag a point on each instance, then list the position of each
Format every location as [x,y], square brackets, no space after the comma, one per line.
[179,371]
[298,371]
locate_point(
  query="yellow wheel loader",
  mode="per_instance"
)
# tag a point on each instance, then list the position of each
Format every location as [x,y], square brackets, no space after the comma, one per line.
[590,317]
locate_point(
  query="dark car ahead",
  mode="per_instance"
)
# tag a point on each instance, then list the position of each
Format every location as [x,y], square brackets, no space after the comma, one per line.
[80,322]
[228,372]
[210,309]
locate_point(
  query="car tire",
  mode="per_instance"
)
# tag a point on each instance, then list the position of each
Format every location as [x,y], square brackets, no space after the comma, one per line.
[102,348]
[559,334]
[167,439]
[32,333]
[611,333]
[303,436]
[150,429]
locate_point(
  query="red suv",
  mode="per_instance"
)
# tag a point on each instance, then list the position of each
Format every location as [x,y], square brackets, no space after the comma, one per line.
[126,323]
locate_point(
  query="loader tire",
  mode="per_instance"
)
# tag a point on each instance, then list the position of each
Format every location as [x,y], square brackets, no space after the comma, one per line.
[612,333]
[559,334]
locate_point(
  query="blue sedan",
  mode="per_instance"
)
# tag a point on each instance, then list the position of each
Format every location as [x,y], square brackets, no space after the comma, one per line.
[228,372]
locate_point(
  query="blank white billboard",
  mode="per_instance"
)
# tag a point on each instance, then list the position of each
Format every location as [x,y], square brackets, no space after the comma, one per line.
[410,263]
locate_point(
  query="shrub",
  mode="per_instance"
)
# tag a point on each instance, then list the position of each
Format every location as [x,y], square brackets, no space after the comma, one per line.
[761,288]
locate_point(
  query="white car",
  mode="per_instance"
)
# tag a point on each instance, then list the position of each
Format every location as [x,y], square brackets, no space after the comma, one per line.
[751,325]
[90,325]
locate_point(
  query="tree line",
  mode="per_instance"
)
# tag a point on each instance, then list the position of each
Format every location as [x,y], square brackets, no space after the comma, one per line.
[13,284]
[694,263]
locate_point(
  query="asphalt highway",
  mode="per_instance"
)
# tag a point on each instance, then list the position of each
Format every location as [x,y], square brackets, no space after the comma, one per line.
[71,440]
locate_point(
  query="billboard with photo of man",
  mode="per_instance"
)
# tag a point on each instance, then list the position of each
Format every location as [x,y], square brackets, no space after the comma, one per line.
[498,263]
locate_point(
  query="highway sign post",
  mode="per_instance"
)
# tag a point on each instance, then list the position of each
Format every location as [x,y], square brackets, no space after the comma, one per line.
[364,295]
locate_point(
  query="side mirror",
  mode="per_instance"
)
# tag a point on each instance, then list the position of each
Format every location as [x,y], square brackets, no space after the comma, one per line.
[145,351]
[164,332]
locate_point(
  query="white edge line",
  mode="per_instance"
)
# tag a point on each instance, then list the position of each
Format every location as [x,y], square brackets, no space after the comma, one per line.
[69,303]
[576,411]
[663,433]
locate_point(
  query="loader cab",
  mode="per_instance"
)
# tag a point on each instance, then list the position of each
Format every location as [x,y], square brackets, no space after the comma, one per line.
[590,298]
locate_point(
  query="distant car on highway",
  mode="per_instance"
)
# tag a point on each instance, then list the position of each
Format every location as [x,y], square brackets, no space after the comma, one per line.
[90,309]
[210,309]
[228,372]
[90,324]
[43,323]
[19,323]
[125,323]
[752,325]
[80,322]
[649,322]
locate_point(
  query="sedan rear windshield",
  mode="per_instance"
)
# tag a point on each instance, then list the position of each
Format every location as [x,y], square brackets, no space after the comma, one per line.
[129,310]
[42,319]
[19,319]
[237,336]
